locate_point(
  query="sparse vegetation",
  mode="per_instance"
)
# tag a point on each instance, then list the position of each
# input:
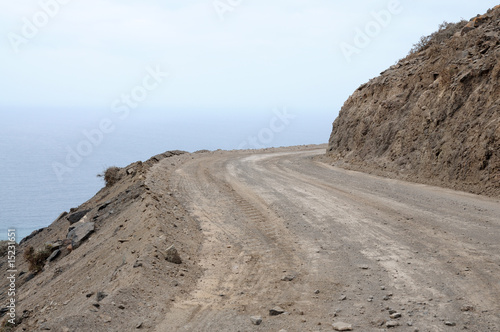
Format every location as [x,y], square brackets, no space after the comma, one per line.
[111,176]
[445,31]
[36,259]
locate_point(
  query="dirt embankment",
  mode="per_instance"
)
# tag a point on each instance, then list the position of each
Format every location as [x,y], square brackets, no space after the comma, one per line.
[111,273]
[434,117]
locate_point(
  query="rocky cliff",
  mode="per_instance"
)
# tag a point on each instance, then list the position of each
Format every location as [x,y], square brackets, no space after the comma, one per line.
[434,117]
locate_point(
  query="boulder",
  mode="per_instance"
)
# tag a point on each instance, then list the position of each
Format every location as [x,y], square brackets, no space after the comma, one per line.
[80,233]
[340,326]
[77,216]
[54,255]
[276,311]
[256,320]
[289,277]
[103,206]
[56,245]
[392,324]
[101,296]
[173,256]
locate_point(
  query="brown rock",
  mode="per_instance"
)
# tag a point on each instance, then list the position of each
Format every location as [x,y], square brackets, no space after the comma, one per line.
[340,326]
[392,324]
[256,320]
[80,233]
[172,256]
[276,311]
[467,308]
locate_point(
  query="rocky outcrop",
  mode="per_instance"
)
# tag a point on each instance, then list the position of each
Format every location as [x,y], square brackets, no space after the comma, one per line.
[434,117]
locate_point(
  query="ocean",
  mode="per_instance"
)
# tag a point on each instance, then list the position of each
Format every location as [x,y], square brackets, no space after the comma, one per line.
[49,164]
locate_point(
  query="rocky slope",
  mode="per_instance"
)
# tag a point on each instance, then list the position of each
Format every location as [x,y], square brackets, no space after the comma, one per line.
[111,268]
[434,117]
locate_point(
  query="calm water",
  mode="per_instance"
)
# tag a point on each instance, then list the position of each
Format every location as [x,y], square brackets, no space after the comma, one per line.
[32,195]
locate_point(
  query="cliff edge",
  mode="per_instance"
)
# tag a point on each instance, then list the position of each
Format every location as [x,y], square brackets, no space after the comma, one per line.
[115,263]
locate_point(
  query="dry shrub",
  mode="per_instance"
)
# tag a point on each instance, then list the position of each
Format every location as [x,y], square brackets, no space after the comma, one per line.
[444,33]
[421,45]
[36,259]
[111,176]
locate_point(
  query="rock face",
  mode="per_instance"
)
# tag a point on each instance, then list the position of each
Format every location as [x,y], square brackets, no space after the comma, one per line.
[435,116]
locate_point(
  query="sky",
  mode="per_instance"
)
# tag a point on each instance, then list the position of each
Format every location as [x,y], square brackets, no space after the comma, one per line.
[204,58]
[85,85]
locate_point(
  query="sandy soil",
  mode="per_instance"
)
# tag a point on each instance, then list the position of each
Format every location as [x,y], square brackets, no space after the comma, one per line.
[358,247]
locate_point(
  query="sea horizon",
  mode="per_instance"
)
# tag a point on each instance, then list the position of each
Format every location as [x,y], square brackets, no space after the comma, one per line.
[50,168]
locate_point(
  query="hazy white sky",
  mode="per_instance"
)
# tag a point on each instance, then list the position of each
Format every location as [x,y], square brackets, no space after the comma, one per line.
[224,55]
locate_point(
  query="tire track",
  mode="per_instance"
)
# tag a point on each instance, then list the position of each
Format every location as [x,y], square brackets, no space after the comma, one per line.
[255,256]
[339,232]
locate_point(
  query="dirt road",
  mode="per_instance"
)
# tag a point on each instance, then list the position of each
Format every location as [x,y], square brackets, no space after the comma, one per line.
[329,245]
